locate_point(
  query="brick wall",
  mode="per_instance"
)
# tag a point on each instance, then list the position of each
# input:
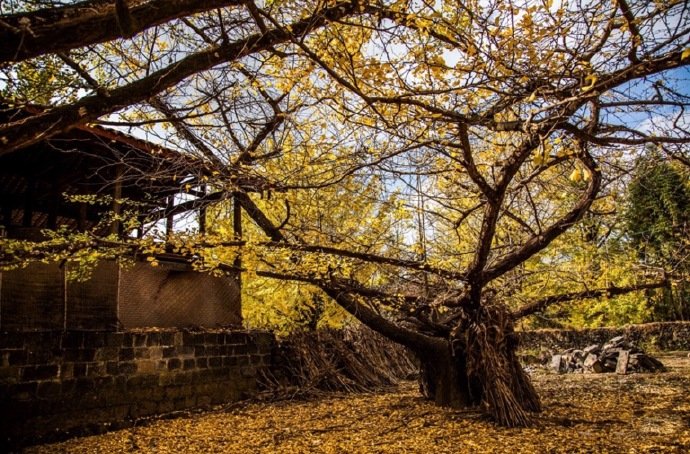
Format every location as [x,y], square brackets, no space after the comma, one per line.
[57,382]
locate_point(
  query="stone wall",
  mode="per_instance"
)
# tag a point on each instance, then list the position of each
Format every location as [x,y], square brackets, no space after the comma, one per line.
[651,336]
[56,382]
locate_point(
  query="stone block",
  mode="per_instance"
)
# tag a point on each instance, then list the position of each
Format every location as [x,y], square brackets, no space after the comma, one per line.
[154,339]
[140,340]
[66,371]
[72,340]
[155,352]
[236,338]
[115,340]
[127,368]
[48,389]
[622,364]
[22,391]
[96,369]
[43,372]
[107,354]
[167,338]
[185,350]
[147,366]
[142,353]
[10,374]
[94,340]
[16,357]
[126,354]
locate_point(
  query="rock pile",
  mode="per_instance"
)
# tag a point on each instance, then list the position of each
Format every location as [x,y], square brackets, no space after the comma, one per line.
[616,355]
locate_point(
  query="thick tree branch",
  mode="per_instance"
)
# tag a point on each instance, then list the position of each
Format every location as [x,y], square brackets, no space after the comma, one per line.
[543,303]
[61,29]
[367,315]
[25,132]
[539,242]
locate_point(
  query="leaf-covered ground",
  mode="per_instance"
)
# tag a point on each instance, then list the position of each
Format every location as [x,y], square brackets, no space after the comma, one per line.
[583,413]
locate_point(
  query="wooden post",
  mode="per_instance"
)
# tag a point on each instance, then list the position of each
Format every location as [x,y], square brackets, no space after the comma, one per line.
[202,214]
[116,226]
[6,215]
[29,203]
[237,230]
[54,205]
[170,218]
[83,213]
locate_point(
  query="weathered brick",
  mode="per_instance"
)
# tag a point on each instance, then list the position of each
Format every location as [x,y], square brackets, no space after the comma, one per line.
[155,352]
[83,385]
[169,352]
[185,350]
[208,339]
[139,340]
[16,357]
[10,374]
[107,354]
[115,340]
[167,338]
[202,363]
[188,364]
[174,363]
[216,361]
[240,349]
[153,339]
[66,371]
[11,340]
[42,372]
[48,389]
[112,367]
[236,338]
[147,366]
[94,340]
[79,370]
[142,353]
[96,369]
[126,354]
[127,368]
[73,340]
[23,391]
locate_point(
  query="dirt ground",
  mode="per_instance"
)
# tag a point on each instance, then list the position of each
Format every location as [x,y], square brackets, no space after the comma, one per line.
[638,413]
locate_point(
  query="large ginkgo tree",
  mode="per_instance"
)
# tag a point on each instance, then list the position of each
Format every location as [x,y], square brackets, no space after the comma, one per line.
[416,156]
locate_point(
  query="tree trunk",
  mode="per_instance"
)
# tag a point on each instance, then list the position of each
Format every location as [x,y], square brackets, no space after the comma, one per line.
[443,378]
[482,369]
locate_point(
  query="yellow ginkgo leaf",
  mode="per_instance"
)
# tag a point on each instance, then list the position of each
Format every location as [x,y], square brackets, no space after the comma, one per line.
[576,176]
[590,80]
[532,97]
[685,54]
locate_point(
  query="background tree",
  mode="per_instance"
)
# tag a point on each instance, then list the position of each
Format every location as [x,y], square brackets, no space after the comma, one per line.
[658,224]
[481,133]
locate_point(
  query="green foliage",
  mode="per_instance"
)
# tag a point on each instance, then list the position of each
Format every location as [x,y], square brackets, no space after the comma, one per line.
[658,212]
[657,221]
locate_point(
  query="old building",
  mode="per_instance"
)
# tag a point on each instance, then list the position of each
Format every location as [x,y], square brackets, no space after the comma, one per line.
[37,189]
